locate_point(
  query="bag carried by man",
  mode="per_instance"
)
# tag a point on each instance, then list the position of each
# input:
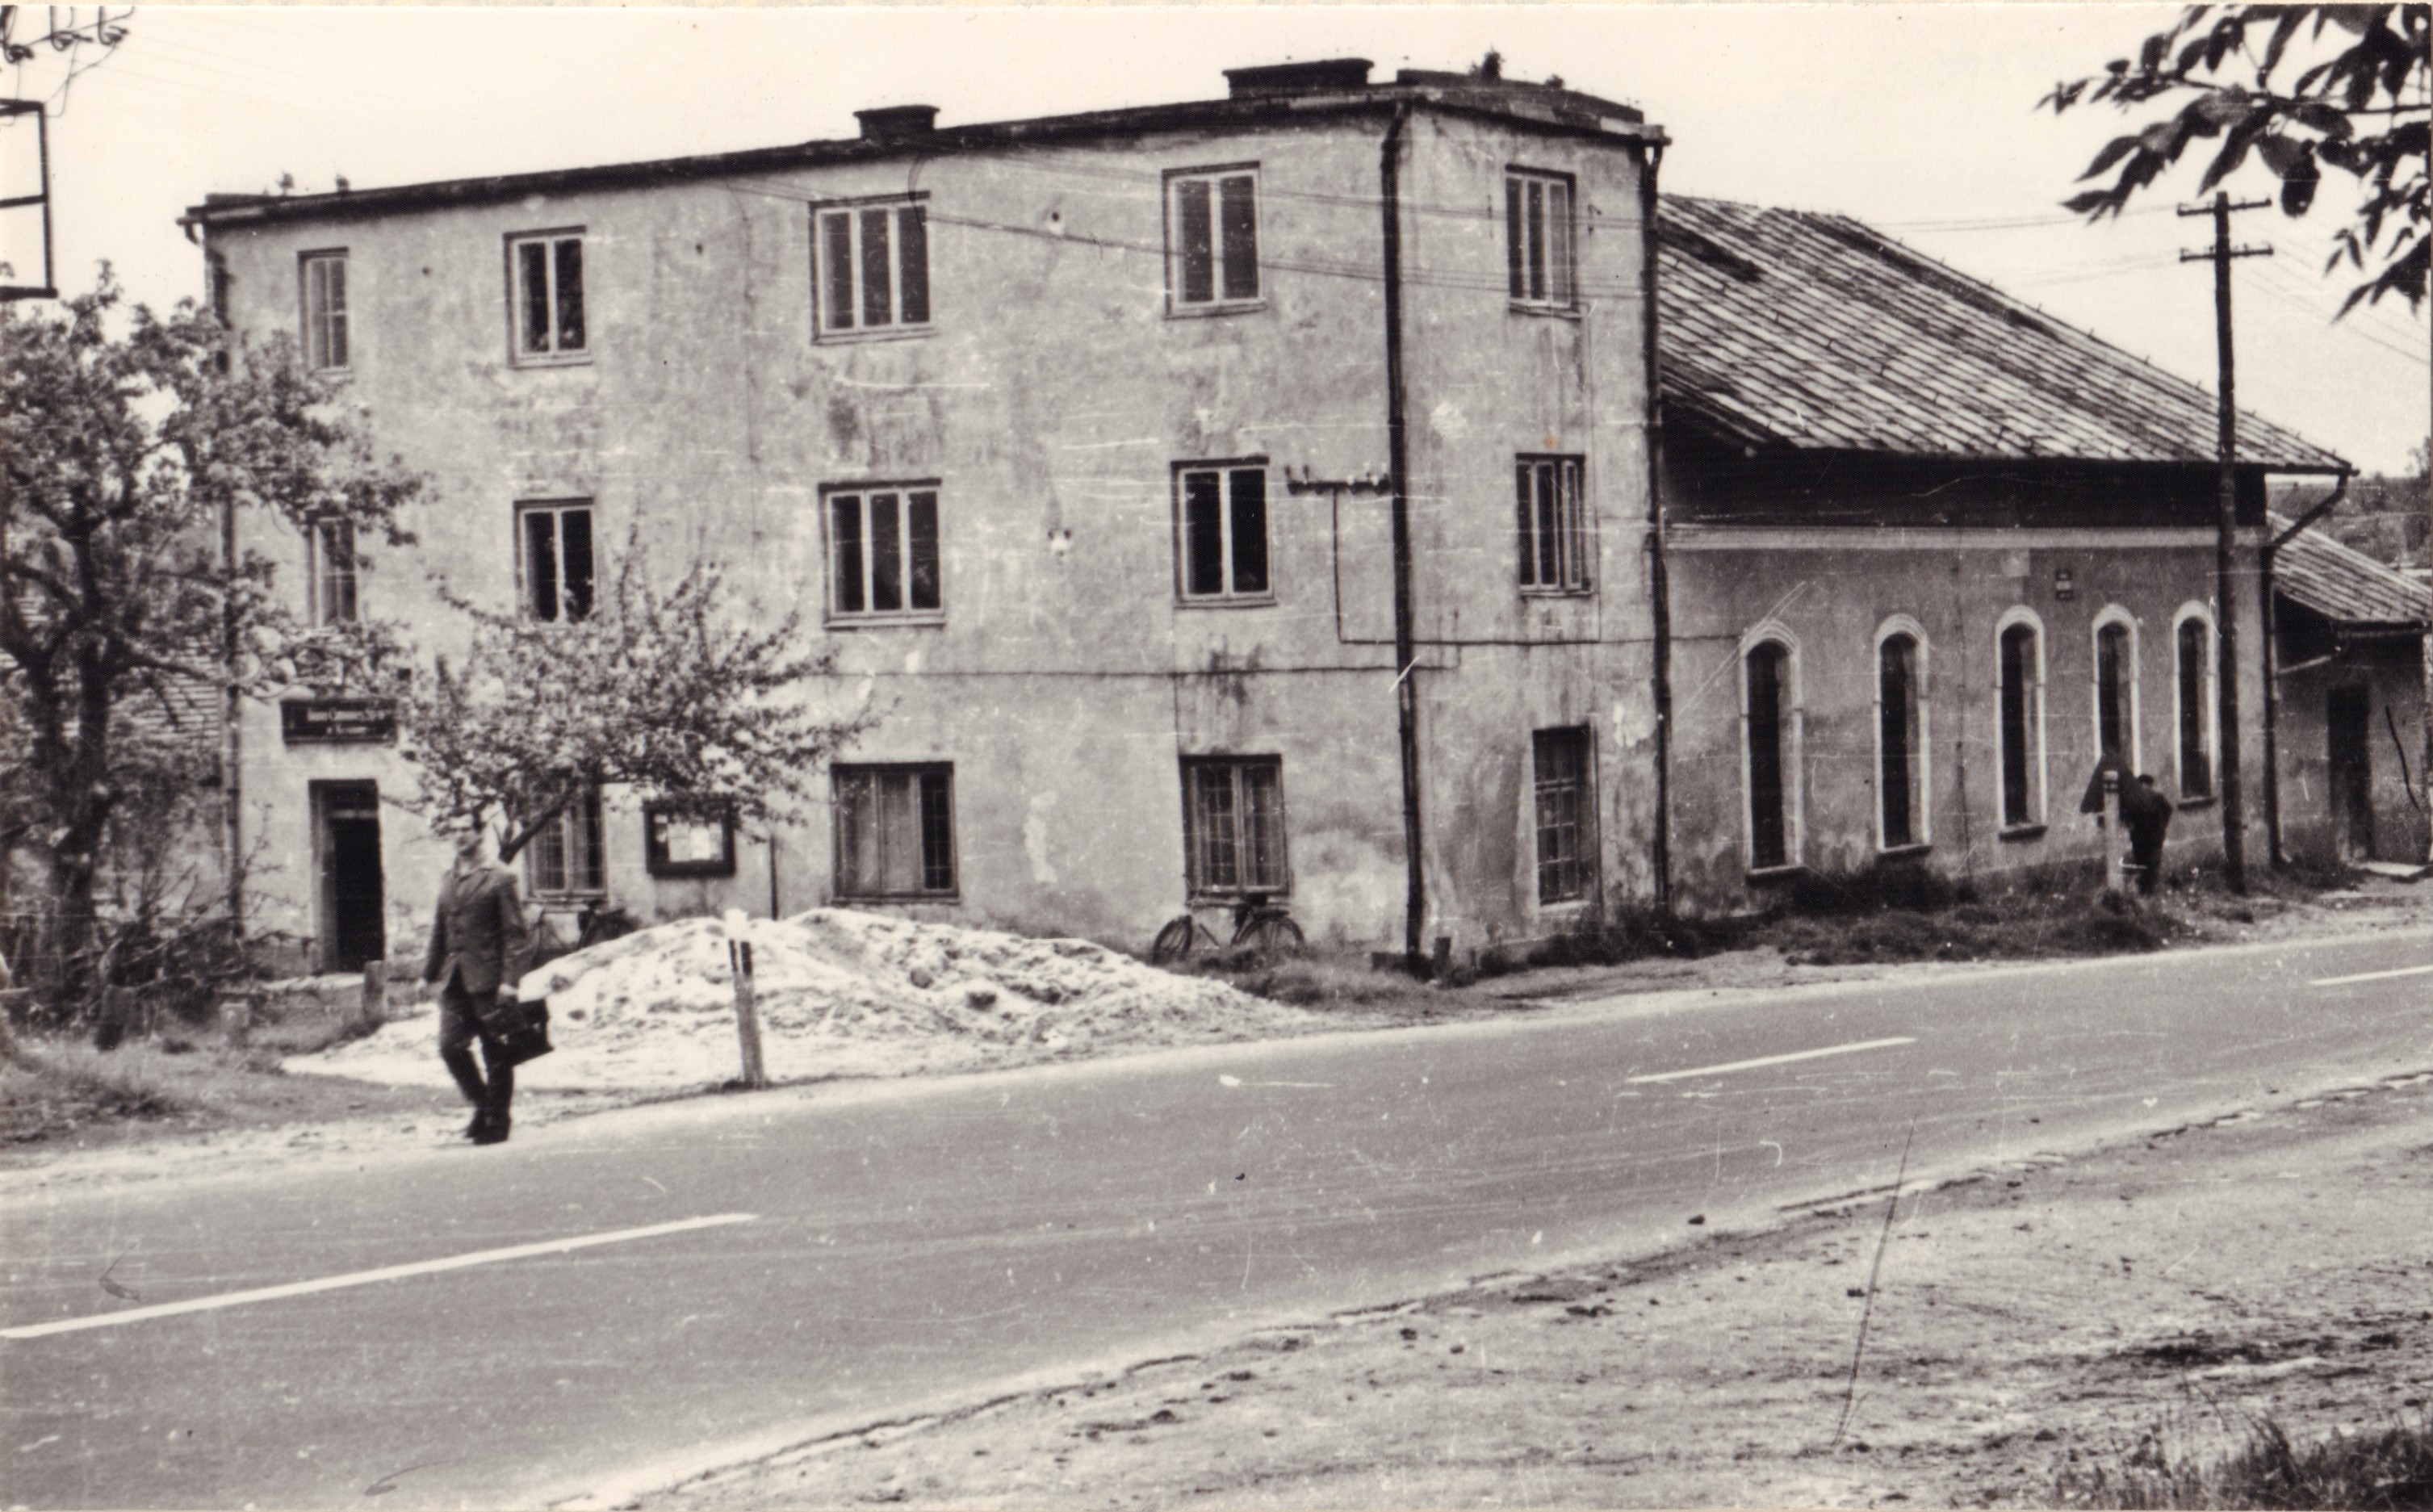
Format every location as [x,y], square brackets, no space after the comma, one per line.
[521,1028]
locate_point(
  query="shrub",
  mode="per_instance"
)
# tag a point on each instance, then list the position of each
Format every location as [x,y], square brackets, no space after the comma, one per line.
[2390,1469]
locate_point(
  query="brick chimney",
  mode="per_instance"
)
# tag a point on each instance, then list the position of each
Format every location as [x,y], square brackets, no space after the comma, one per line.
[893,123]
[1299,78]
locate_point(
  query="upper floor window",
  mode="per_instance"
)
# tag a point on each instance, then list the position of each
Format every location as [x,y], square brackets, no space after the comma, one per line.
[1553,524]
[331,545]
[546,273]
[2019,672]
[883,552]
[895,831]
[874,267]
[555,564]
[2117,733]
[324,279]
[1566,815]
[1212,237]
[1538,238]
[2192,644]
[1770,747]
[1221,526]
[1234,824]
[1900,735]
[568,856]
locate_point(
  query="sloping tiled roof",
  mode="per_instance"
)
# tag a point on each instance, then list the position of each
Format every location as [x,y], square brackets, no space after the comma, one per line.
[2344,585]
[1791,328]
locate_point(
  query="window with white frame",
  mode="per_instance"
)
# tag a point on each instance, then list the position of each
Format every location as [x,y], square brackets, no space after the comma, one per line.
[2192,648]
[1221,530]
[1551,521]
[1565,794]
[1537,241]
[873,266]
[1770,747]
[568,857]
[1902,746]
[555,558]
[2116,732]
[1234,825]
[2019,673]
[1212,237]
[883,552]
[545,277]
[895,831]
[323,279]
[330,544]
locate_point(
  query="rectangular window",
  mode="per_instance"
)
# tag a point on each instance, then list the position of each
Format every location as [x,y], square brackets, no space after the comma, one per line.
[2196,721]
[873,270]
[1234,824]
[568,856]
[1566,836]
[883,553]
[895,831]
[1896,741]
[1538,238]
[1221,528]
[557,559]
[325,309]
[2020,674]
[1766,671]
[546,272]
[1212,237]
[333,546]
[1553,528]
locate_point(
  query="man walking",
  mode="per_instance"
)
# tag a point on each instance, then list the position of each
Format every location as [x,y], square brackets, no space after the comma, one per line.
[478,944]
[2147,815]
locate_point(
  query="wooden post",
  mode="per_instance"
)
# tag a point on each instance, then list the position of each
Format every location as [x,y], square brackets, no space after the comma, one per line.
[2112,831]
[747,1011]
[375,993]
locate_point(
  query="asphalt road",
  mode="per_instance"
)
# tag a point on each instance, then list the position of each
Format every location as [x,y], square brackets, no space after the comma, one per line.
[881,1246]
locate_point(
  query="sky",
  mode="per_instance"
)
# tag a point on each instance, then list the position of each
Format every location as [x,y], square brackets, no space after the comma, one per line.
[1921,121]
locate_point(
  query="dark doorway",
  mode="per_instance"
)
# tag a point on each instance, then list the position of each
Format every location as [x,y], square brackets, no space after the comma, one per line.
[2346,717]
[346,832]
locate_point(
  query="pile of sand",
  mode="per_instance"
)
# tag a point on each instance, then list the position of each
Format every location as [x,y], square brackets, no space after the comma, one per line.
[840,993]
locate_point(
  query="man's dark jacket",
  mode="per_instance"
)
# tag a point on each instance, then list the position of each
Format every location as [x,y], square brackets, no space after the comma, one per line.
[477,931]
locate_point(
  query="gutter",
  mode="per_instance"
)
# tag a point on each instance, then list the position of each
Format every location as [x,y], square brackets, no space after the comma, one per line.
[2265,556]
[1398,466]
[1660,591]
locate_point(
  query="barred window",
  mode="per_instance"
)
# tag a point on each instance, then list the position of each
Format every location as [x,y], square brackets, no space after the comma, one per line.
[1234,819]
[895,831]
[1566,833]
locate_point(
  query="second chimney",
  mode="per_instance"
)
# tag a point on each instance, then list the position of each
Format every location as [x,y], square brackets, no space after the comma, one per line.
[892,121]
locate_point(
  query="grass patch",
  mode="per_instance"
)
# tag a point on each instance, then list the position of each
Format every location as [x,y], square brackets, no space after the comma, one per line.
[57,1089]
[2389,1469]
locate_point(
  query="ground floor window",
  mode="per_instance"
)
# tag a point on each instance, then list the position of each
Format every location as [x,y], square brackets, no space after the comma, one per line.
[1566,831]
[567,855]
[1766,719]
[2193,641]
[895,831]
[2022,691]
[1899,742]
[1234,824]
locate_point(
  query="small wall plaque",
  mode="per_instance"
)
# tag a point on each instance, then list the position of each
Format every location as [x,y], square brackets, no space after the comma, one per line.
[2065,586]
[338,720]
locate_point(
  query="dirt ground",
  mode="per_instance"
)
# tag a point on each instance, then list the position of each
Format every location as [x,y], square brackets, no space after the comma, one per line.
[2026,1322]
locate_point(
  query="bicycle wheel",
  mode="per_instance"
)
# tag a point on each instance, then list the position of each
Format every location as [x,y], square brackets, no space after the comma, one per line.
[1272,933]
[1173,943]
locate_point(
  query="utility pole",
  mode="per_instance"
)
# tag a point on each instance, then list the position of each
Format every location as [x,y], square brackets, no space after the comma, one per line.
[2234,841]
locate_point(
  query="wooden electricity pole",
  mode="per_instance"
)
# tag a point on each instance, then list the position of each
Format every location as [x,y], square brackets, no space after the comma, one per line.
[2234,840]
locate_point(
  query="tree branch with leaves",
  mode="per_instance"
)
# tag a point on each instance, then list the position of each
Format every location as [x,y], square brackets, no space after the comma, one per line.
[2296,89]
[665,692]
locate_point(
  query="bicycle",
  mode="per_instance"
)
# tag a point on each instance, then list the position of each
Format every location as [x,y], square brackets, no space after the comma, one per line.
[1259,924]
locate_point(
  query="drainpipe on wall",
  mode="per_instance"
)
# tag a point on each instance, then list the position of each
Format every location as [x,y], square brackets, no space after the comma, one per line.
[1406,703]
[1659,591]
[215,280]
[2273,675]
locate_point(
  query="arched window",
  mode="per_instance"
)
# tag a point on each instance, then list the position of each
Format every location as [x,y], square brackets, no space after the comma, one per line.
[2116,732]
[2019,660]
[2192,653]
[1770,722]
[1900,734]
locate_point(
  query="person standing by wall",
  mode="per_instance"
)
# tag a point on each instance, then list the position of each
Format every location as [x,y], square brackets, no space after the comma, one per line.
[2147,815]
[479,944]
